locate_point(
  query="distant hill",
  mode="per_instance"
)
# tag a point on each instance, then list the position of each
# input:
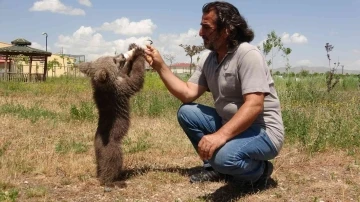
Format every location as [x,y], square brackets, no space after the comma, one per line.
[314,70]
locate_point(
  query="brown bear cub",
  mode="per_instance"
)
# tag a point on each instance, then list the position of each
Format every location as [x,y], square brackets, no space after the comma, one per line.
[114,80]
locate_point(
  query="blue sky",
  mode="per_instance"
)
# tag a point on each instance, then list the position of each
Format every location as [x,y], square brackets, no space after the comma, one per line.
[95,28]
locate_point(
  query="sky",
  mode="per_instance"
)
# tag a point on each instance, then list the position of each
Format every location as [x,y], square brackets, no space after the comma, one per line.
[104,27]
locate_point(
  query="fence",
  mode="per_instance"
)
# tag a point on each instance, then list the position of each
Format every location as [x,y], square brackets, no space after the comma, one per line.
[21,77]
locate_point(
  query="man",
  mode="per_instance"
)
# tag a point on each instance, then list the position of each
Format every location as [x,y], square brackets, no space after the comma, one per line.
[245,130]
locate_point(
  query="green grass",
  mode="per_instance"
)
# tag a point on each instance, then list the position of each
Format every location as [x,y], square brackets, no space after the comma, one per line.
[85,111]
[3,148]
[9,195]
[35,192]
[52,86]
[141,144]
[34,113]
[313,118]
[317,119]
[65,146]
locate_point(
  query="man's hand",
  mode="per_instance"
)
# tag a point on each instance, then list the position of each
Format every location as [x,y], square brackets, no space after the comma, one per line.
[154,58]
[208,144]
[242,120]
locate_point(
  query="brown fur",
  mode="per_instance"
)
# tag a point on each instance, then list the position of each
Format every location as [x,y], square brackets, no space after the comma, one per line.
[114,81]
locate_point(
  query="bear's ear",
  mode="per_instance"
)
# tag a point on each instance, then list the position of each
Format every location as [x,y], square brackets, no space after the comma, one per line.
[85,67]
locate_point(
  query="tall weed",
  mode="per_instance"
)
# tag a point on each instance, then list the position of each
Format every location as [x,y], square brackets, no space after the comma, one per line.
[33,113]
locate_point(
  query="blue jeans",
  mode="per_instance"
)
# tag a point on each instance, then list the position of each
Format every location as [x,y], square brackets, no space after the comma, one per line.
[242,157]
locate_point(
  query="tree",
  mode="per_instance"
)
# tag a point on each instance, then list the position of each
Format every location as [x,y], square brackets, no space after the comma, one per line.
[331,79]
[286,53]
[19,61]
[304,73]
[277,73]
[272,45]
[52,64]
[62,56]
[170,58]
[191,51]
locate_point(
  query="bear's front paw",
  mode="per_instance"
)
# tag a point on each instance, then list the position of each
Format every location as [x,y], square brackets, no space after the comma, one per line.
[132,46]
[120,60]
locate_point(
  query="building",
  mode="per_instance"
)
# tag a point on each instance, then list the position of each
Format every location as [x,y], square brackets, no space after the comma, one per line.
[19,61]
[181,68]
[62,65]
[2,61]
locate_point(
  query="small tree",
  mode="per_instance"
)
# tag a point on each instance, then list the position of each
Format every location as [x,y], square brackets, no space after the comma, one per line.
[37,66]
[19,60]
[170,58]
[304,73]
[272,45]
[331,79]
[286,53]
[52,64]
[191,51]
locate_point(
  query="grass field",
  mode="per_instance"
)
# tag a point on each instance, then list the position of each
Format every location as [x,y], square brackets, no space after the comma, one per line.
[47,131]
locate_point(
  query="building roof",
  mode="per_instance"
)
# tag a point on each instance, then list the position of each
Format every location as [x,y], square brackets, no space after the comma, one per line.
[21,46]
[181,64]
[4,43]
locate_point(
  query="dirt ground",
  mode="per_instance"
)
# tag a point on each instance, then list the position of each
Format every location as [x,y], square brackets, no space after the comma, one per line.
[330,176]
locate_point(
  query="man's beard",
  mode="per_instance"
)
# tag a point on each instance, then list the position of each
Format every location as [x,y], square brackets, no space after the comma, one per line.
[211,41]
[209,45]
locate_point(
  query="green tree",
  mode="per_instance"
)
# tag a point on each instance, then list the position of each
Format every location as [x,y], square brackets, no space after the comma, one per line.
[286,53]
[52,64]
[331,78]
[304,73]
[62,56]
[277,73]
[170,58]
[272,45]
[192,50]
[19,60]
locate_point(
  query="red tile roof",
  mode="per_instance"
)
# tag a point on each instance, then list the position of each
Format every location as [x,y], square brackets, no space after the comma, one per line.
[181,64]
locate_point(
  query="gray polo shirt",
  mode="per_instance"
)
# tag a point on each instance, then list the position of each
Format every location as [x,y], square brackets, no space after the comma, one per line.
[243,70]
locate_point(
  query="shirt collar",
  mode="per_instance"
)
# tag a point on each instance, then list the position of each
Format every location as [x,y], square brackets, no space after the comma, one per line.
[233,49]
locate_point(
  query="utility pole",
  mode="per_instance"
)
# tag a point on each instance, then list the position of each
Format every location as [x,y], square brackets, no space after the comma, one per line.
[46,36]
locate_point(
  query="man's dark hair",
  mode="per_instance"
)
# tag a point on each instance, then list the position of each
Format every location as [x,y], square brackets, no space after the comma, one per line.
[228,16]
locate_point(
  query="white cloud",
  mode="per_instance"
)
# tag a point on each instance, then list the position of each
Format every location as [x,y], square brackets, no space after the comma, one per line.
[39,46]
[169,44]
[56,6]
[125,27]
[85,2]
[356,51]
[296,38]
[304,63]
[260,44]
[352,64]
[84,40]
[333,33]
[87,41]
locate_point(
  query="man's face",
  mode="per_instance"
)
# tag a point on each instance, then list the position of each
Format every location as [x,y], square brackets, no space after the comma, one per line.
[208,31]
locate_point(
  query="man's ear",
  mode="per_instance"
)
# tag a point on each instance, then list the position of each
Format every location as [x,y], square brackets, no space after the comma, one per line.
[227,32]
[85,67]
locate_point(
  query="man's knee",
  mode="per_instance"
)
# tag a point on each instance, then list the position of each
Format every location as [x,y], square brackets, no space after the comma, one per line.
[224,162]
[184,111]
